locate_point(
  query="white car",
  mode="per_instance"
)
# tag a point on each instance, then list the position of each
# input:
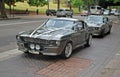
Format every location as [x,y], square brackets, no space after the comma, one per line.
[64,13]
[117,12]
[106,12]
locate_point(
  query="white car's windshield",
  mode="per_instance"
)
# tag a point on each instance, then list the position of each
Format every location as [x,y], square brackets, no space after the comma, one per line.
[57,23]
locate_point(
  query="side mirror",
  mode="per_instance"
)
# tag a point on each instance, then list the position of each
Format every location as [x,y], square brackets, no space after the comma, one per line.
[75,28]
[103,21]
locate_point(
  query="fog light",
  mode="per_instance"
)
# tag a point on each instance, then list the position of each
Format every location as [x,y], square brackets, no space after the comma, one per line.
[37,47]
[32,46]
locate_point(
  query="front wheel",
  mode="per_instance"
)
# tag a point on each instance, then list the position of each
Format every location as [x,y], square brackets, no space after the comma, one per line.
[67,51]
[102,34]
[109,31]
[71,16]
[88,41]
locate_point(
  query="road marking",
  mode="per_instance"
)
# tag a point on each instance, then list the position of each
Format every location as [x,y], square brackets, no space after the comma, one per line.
[19,23]
[9,54]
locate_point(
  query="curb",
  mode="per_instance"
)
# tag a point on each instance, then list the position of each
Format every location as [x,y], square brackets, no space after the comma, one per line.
[112,69]
[9,18]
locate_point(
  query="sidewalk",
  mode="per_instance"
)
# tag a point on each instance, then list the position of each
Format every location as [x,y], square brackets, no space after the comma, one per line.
[112,69]
[30,16]
[25,17]
[9,18]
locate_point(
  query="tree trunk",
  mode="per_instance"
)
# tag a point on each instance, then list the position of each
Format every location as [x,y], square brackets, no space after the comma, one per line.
[2,9]
[58,6]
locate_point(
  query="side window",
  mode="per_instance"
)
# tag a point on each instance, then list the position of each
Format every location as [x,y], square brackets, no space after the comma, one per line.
[85,25]
[80,25]
[105,19]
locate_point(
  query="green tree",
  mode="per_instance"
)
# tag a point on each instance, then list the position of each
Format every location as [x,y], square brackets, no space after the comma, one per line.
[77,3]
[2,6]
[37,2]
[115,1]
[2,9]
[8,2]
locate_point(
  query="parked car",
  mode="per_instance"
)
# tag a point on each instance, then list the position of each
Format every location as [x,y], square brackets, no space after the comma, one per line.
[64,13]
[106,12]
[84,13]
[117,13]
[114,12]
[51,12]
[99,25]
[57,36]
[96,10]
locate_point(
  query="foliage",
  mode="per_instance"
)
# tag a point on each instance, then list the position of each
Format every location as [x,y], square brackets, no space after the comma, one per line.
[77,3]
[2,9]
[8,2]
[37,2]
[115,1]
[2,6]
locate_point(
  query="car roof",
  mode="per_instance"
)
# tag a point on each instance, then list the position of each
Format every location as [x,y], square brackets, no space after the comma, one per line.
[69,19]
[96,16]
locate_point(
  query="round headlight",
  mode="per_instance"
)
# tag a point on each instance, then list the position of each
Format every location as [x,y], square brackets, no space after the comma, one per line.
[37,47]
[32,46]
[18,38]
[54,43]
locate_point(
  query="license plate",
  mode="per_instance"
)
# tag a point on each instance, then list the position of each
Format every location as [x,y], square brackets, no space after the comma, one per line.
[34,52]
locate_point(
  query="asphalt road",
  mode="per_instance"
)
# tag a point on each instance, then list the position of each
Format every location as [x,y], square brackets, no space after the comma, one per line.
[21,65]
[10,28]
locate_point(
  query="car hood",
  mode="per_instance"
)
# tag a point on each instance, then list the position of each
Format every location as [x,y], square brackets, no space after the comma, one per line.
[53,34]
[94,24]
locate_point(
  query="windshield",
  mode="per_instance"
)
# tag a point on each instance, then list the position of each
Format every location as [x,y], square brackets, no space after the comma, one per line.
[58,23]
[94,19]
[106,10]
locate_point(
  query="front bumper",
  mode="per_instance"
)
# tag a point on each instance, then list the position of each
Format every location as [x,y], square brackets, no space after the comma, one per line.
[46,50]
[95,31]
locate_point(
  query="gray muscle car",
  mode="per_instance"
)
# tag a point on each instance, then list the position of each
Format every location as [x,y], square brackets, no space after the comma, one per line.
[99,25]
[57,36]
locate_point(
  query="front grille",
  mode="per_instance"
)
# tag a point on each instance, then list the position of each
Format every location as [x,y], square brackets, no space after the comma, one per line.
[34,40]
[93,28]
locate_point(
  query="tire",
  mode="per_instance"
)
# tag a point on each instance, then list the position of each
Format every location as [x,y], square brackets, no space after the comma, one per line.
[67,51]
[109,31]
[88,41]
[71,16]
[102,34]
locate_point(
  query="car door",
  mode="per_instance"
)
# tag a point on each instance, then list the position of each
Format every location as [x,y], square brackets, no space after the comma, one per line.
[106,22]
[77,34]
[81,31]
[84,32]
